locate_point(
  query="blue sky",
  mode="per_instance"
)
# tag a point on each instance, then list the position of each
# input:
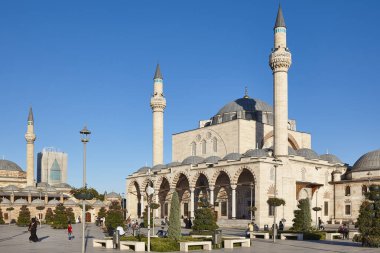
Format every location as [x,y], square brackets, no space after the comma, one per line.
[92,62]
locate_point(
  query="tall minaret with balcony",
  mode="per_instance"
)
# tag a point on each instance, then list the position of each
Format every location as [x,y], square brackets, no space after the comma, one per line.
[158,104]
[30,137]
[280,60]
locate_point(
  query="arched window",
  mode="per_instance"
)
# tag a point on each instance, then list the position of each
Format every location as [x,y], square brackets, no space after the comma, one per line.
[215,145]
[364,190]
[348,191]
[193,148]
[204,147]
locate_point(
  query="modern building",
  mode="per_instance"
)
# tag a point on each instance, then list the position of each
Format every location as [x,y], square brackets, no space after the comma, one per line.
[51,166]
[247,152]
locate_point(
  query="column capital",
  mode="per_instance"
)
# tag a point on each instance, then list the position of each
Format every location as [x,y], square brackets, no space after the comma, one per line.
[211,187]
[192,189]
[233,186]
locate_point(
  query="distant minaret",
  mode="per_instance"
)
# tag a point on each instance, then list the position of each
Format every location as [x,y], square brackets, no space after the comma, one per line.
[280,61]
[30,137]
[158,104]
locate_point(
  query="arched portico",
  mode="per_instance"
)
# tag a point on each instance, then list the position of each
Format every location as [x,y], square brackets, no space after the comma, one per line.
[134,199]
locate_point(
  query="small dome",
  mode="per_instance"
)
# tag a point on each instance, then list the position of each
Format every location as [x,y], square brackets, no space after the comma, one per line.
[144,169]
[291,151]
[192,160]
[173,164]
[330,158]
[11,188]
[30,189]
[212,159]
[38,202]
[232,157]
[62,185]
[368,161]
[42,184]
[53,202]
[9,165]
[158,167]
[112,195]
[307,153]
[256,153]
[5,201]
[98,203]
[21,202]
[68,202]
[50,189]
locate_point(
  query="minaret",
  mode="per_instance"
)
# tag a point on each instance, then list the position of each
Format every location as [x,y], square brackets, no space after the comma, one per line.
[158,104]
[30,137]
[280,60]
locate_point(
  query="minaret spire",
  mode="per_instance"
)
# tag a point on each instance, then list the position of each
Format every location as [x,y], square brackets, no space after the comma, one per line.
[280,22]
[280,60]
[30,137]
[158,104]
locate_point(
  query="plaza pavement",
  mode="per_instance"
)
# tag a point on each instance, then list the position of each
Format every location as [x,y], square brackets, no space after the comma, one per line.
[14,239]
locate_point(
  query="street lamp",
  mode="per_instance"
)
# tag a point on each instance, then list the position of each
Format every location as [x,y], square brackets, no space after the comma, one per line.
[276,160]
[149,193]
[85,137]
[251,185]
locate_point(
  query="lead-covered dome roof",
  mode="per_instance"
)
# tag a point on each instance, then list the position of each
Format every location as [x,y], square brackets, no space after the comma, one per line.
[307,153]
[192,160]
[330,158]
[256,153]
[368,161]
[9,165]
[244,108]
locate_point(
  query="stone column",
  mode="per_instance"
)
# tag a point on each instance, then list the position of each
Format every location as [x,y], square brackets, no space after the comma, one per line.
[12,197]
[142,204]
[156,201]
[212,188]
[29,198]
[192,202]
[46,199]
[61,198]
[233,188]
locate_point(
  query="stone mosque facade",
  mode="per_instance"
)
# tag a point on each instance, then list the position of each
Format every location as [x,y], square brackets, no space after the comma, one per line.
[19,188]
[246,153]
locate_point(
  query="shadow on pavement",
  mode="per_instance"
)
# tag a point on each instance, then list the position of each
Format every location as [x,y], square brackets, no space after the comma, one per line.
[13,236]
[43,238]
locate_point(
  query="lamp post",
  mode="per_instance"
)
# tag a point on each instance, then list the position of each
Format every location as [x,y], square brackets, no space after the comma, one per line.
[251,185]
[149,192]
[276,160]
[122,205]
[85,137]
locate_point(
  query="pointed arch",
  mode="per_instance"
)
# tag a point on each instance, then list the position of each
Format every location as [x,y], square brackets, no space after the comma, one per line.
[176,178]
[239,171]
[196,176]
[217,173]
[291,140]
[132,184]
[158,182]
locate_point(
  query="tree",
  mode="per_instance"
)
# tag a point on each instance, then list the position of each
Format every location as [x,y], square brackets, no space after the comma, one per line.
[24,216]
[302,216]
[87,193]
[70,215]
[102,212]
[369,218]
[60,217]
[114,217]
[204,220]
[145,214]
[49,216]
[1,217]
[174,230]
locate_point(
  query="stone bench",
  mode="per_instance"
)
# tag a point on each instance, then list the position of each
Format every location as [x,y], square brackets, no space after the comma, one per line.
[256,234]
[284,235]
[136,246]
[229,244]
[98,243]
[201,236]
[184,246]
[330,236]
[351,234]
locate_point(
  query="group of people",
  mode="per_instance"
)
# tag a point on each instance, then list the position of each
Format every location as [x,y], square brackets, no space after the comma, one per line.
[188,222]
[252,227]
[344,231]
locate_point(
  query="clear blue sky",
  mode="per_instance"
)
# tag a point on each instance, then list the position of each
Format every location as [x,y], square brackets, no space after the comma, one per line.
[92,62]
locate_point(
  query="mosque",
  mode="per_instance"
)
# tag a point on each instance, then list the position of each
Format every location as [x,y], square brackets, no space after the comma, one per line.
[246,153]
[19,188]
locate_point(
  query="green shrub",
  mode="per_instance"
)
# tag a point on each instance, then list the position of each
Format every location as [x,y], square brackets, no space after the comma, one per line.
[49,216]
[174,230]
[23,217]
[302,216]
[357,238]
[204,220]
[316,235]
[60,217]
[114,216]
[1,217]
[373,241]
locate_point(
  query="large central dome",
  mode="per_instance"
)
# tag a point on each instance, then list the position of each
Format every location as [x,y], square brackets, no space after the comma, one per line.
[245,108]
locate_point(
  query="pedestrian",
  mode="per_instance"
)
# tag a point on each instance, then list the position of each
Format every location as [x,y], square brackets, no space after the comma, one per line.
[69,230]
[190,223]
[281,226]
[33,231]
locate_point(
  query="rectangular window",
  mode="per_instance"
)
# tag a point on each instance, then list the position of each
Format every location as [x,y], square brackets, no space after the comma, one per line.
[223,208]
[326,208]
[185,209]
[347,210]
[271,210]
[6,216]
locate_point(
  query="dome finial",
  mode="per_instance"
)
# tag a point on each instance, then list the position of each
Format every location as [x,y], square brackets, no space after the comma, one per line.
[246,92]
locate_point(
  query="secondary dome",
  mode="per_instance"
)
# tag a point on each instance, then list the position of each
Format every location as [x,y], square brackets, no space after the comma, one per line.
[192,160]
[144,169]
[232,157]
[158,167]
[245,108]
[330,158]
[212,159]
[307,153]
[173,164]
[368,161]
[8,165]
[256,153]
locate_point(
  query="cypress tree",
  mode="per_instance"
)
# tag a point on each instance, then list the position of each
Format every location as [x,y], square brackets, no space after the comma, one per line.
[49,215]
[114,216]
[102,212]
[302,216]
[204,220]
[174,230]
[24,216]
[60,218]
[1,217]
[70,215]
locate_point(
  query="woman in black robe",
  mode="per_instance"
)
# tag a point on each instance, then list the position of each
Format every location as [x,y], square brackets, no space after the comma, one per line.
[33,230]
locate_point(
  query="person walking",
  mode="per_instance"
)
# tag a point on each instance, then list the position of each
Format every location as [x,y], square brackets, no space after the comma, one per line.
[33,231]
[69,230]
